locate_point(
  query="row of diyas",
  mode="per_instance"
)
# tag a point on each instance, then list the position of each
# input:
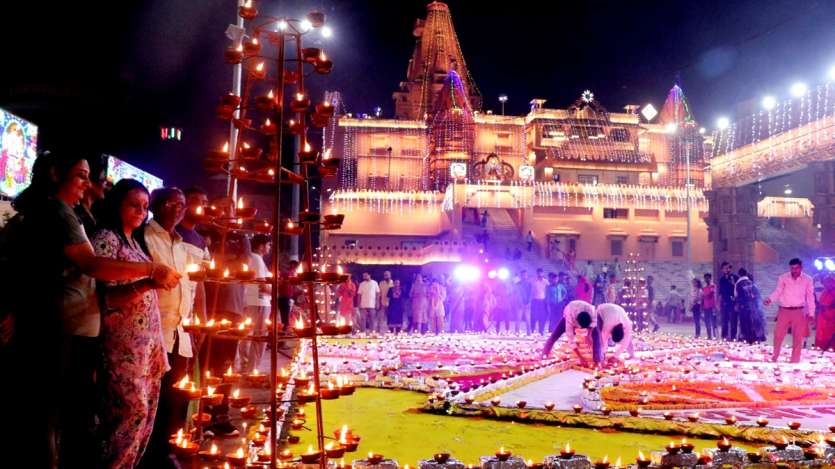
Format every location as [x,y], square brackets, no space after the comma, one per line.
[300,329]
[213,271]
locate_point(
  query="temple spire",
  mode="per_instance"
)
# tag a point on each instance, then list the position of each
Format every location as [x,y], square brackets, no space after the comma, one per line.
[437,52]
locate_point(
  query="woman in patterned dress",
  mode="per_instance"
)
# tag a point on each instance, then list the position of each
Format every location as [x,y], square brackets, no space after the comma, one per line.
[134,358]
[420,305]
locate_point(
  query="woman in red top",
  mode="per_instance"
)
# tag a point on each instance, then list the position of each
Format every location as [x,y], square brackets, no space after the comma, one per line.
[346,292]
[825,325]
[709,306]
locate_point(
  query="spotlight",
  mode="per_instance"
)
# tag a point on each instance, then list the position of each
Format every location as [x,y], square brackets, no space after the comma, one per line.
[491,274]
[466,273]
[818,264]
[326,32]
[671,128]
[799,89]
[829,264]
[503,273]
[832,73]
[769,102]
[305,25]
[702,130]
[722,123]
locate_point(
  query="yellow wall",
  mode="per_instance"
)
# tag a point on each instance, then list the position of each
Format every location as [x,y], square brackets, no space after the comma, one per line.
[595,232]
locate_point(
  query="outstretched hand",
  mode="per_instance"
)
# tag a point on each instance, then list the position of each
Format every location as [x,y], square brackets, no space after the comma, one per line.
[165,277]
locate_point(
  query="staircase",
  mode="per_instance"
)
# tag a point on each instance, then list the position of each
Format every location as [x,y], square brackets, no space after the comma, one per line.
[501,225]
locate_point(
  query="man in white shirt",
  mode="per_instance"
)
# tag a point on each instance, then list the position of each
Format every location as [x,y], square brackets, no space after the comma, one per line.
[380,320]
[615,324]
[577,314]
[369,300]
[167,246]
[539,309]
[257,299]
[795,295]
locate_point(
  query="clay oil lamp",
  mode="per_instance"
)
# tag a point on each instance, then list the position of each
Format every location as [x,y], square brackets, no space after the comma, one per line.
[234,55]
[210,397]
[686,446]
[832,428]
[248,11]
[245,274]
[214,272]
[302,329]
[578,409]
[297,424]
[242,211]
[549,406]
[249,412]
[781,444]
[323,65]
[724,445]
[495,401]
[328,166]
[230,376]
[794,425]
[673,448]
[265,102]
[237,459]
[188,388]
[301,381]
[311,456]
[285,455]
[374,458]
[730,420]
[642,461]
[195,271]
[325,108]
[330,392]
[334,451]
[521,404]
[534,465]
[258,71]
[337,276]
[635,412]
[259,439]
[694,417]
[299,103]
[264,455]
[211,454]
[567,452]
[503,454]
[308,395]
[705,458]
[344,326]
[812,453]
[182,446]
[469,400]
[256,377]
[268,127]
[602,463]
[762,421]
[669,415]
[347,388]
[754,457]
[441,458]
[293,439]
[328,328]
[201,419]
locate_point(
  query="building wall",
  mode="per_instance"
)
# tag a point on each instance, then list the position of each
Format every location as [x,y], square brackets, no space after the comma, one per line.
[594,232]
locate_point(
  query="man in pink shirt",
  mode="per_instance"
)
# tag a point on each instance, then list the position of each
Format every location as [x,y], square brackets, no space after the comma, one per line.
[795,296]
[614,323]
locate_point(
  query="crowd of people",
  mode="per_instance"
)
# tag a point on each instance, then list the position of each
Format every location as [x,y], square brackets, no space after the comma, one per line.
[91,329]
[96,295]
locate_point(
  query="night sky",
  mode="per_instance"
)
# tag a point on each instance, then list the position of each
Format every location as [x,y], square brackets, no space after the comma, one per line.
[104,76]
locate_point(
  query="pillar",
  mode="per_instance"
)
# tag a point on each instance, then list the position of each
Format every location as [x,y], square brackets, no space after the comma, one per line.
[824,201]
[732,223]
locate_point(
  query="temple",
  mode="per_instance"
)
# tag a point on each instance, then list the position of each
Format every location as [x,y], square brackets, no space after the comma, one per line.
[587,183]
